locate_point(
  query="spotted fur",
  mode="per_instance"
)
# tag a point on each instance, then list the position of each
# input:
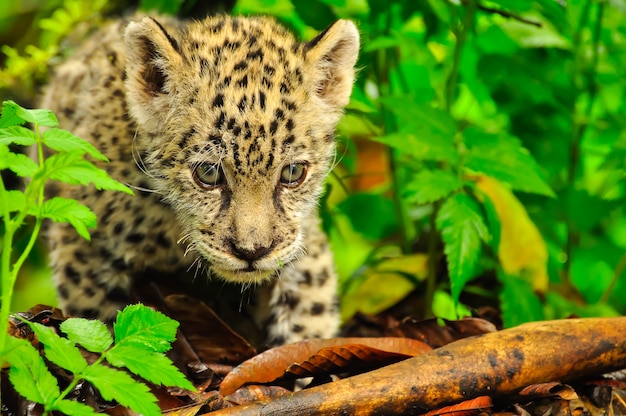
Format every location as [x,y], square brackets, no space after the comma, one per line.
[236,100]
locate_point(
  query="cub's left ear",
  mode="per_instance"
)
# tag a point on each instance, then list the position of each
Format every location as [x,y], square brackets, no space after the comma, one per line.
[333,54]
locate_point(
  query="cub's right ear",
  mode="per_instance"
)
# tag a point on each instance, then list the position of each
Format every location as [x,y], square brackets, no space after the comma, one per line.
[152,59]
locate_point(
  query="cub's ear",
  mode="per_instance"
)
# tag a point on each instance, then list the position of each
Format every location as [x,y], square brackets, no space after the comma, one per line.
[333,54]
[152,58]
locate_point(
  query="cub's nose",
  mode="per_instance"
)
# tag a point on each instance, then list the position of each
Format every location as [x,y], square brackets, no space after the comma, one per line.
[248,255]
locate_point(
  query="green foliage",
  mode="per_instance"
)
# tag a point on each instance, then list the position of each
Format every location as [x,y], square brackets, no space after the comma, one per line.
[139,331]
[26,64]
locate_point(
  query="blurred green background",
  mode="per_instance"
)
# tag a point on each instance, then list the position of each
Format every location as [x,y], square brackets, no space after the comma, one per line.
[480,162]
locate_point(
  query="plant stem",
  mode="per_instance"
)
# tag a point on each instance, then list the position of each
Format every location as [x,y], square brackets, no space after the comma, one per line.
[460,31]
[617,273]
[8,278]
[433,261]
[580,125]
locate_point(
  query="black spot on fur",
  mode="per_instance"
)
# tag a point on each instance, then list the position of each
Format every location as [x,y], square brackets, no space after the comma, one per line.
[288,141]
[243,82]
[317,308]
[242,104]
[289,104]
[218,101]
[204,66]
[262,100]
[257,54]
[273,126]
[135,237]
[63,292]
[289,124]
[241,65]
[215,139]
[182,143]
[220,121]
[72,274]
[163,241]
[119,264]
[289,299]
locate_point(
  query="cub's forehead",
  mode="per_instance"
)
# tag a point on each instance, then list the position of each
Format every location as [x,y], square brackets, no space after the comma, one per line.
[225,44]
[248,93]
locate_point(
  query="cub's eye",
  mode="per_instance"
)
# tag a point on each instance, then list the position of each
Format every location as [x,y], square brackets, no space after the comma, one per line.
[293,174]
[208,175]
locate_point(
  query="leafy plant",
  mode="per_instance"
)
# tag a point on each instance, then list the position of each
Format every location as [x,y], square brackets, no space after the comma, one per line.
[142,335]
[23,66]
[66,165]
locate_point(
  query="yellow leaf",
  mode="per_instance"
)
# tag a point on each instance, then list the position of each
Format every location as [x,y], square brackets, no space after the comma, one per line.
[385,285]
[522,251]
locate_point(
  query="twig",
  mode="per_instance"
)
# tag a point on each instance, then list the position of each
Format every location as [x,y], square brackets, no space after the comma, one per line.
[509,15]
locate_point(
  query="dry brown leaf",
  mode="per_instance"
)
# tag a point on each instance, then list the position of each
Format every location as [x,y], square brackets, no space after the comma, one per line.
[272,364]
[466,408]
[353,358]
[549,389]
[209,339]
[436,335]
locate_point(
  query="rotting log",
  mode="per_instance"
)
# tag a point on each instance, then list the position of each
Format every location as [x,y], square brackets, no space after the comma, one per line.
[493,364]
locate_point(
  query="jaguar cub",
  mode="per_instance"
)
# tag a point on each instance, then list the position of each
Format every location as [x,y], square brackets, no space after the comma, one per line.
[225,130]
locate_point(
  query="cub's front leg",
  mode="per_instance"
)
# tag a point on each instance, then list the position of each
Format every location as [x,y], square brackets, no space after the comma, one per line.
[302,302]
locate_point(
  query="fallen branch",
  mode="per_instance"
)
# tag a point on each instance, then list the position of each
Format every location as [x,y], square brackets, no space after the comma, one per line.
[493,364]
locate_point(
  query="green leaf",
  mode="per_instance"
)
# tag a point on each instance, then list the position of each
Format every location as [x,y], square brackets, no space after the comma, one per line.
[120,386]
[38,116]
[70,407]
[462,229]
[15,201]
[518,301]
[422,118]
[505,159]
[64,141]
[28,373]
[17,135]
[21,164]
[382,42]
[493,221]
[152,366]
[73,169]
[423,147]
[60,209]
[9,117]
[431,185]
[370,214]
[59,350]
[93,335]
[144,327]
[162,6]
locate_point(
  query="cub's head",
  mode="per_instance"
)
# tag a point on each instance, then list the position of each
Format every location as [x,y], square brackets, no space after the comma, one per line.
[236,128]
